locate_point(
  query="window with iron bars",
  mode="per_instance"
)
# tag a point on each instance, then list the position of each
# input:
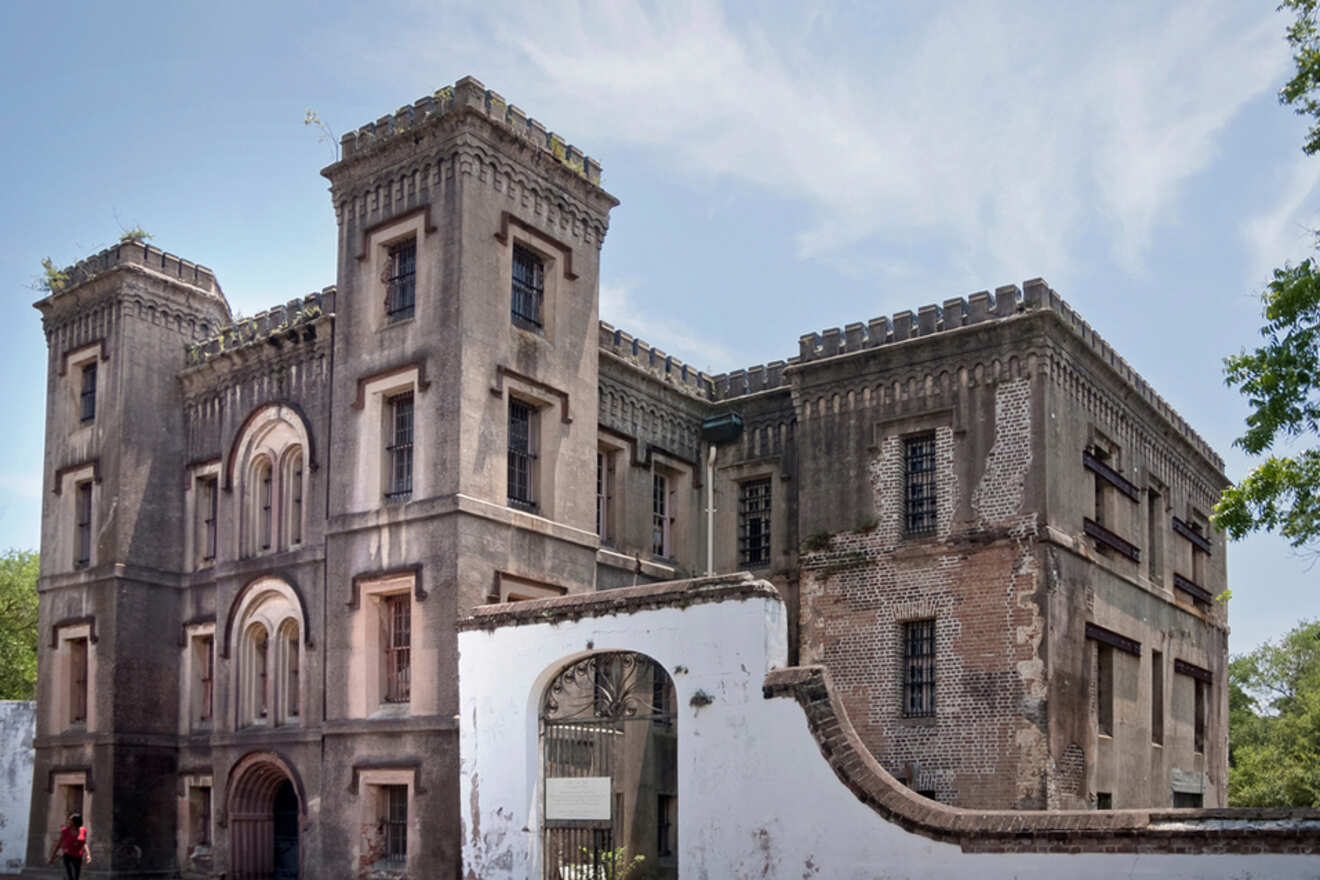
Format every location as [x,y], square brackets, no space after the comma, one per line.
[918,668]
[266,521]
[401,280]
[399,452]
[398,648]
[206,676]
[660,515]
[88,396]
[210,506]
[919,500]
[528,288]
[394,824]
[82,556]
[522,455]
[754,522]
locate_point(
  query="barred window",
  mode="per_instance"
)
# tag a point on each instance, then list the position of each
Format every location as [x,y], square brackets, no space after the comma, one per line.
[399,452]
[528,288]
[78,680]
[394,824]
[266,522]
[754,523]
[206,675]
[522,455]
[659,515]
[82,556]
[397,613]
[401,280]
[604,494]
[88,396]
[919,668]
[210,506]
[919,485]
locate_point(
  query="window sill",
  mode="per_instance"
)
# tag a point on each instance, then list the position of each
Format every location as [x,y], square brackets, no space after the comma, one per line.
[397,322]
[919,720]
[391,710]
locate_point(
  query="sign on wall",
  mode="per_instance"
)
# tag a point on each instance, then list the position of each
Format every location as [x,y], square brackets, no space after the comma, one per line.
[585,797]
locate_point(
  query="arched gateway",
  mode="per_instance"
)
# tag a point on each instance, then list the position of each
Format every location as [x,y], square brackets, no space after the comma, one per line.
[609,770]
[263,813]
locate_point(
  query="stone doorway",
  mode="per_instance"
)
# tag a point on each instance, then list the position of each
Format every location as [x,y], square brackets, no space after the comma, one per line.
[264,811]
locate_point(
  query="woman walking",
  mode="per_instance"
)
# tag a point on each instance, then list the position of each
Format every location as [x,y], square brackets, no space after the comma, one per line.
[73,844]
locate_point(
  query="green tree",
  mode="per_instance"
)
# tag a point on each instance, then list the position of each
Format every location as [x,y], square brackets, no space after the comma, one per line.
[1274,722]
[1281,378]
[18,625]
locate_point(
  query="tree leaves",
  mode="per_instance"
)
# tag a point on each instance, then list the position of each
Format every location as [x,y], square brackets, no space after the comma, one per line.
[18,625]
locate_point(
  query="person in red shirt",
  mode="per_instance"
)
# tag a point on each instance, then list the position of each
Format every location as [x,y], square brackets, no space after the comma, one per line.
[73,844]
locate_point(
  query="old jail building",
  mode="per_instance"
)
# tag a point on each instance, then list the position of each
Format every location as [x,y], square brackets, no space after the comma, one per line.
[258,535]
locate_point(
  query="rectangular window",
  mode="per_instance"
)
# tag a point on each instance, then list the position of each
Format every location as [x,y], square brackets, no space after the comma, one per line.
[1104,800]
[1185,800]
[394,824]
[528,288]
[77,681]
[205,660]
[659,515]
[267,525]
[397,614]
[754,523]
[399,452]
[919,485]
[401,280]
[604,494]
[1198,742]
[73,802]
[1157,697]
[88,395]
[1155,534]
[666,813]
[296,499]
[919,668]
[199,810]
[1104,688]
[522,455]
[210,501]
[82,553]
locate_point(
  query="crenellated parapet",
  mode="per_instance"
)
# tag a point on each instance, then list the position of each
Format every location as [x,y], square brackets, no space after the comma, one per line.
[982,307]
[290,323]
[654,361]
[138,253]
[469,92]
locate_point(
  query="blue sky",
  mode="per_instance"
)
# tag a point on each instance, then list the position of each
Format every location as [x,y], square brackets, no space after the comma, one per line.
[781,170]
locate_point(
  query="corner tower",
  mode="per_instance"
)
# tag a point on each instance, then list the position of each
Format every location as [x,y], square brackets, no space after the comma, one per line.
[111,541]
[463,423]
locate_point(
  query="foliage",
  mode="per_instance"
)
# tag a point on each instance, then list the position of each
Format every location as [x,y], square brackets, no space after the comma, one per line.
[608,864]
[18,625]
[136,233]
[1300,92]
[326,135]
[1281,378]
[51,278]
[1274,722]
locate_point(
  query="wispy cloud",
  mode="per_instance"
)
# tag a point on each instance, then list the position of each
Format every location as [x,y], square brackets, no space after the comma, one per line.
[1286,231]
[998,136]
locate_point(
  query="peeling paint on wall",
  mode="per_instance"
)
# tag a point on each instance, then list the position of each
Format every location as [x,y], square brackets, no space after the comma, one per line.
[18,725]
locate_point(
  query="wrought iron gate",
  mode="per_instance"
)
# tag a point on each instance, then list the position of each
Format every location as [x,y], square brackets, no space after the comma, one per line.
[609,771]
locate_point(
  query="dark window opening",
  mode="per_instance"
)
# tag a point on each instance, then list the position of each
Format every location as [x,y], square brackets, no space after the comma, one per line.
[1157,697]
[201,815]
[401,280]
[296,499]
[82,554]
[266,523]
[259,651]
[398,648]
[528,288]
[1198,744]
[754,523]
[293,675]
[666,813]
[1104,800]
[1104,689]
[919,668]
[88,395]
[1155,534]
[78,681]
[394,824]
[659,515]
[604,494]
[919,499]
[1185,800]
[399,452]
[522,455]
[206,675]
[210,506]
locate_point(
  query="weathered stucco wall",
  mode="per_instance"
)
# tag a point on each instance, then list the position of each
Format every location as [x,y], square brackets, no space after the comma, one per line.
[756,797]
[18,724]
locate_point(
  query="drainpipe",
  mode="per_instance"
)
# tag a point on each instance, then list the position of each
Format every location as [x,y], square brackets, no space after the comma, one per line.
[714,431]
[711,452]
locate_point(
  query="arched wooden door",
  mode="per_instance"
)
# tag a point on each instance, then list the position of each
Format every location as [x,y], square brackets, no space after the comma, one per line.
[263,822]
[609,771]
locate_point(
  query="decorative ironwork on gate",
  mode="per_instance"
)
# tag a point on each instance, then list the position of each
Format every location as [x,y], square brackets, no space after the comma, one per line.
[609,770]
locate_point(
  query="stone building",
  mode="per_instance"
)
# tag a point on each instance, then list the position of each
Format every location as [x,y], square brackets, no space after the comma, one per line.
[258,536]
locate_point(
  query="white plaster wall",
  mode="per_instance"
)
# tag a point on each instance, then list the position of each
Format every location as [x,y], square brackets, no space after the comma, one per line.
[18,724]
[756,798]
